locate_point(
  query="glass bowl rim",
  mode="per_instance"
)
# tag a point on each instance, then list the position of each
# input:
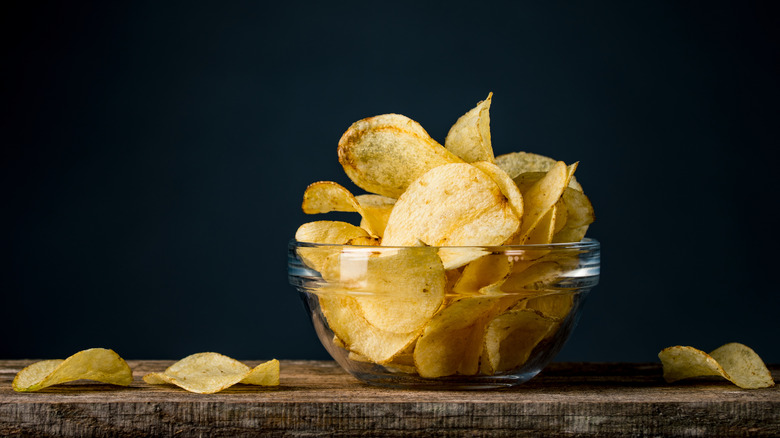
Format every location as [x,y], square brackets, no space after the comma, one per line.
[587,243]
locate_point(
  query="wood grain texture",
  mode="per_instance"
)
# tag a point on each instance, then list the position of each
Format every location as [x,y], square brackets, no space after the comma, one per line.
[317,398]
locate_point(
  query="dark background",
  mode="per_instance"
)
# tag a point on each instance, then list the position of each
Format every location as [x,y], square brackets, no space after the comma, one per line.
[154,155]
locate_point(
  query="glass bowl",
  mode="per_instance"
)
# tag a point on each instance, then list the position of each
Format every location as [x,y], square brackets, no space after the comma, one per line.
[444,317]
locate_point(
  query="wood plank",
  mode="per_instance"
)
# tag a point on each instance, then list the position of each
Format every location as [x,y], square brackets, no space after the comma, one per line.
[316,398]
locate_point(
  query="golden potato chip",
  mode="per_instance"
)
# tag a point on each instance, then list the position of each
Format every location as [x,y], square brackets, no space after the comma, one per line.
[98,364]
[556,305]
[346,320]
[447,344]
[505,183]
[327,196]
[517,163]
[207,373]
[482,272]
[579,216]
[735,362]
[512,336]
[543,195]
[398,289]
[327,232]
[531,281]
[384,154]
[376,211]
[469,137]
[452,205]
[364,241]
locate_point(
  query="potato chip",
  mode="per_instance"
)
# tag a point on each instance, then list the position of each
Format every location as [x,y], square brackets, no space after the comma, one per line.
[384,154]
[469,137]
[207,373]
[447,345]
[532,281]
[398,289]
[543,195]
[517,163]
[505,183]
[364,241]
[735,362]
[326,232]
[98,364]
[511,337]
[578,218]
[327,196]
[452,205]
[376,211]
[345,319]
[482,272]
[555,306]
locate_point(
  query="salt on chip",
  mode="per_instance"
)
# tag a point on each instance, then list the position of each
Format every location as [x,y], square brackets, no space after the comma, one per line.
[469,137]
[207,373]
[452,205]
[386,153]
[98,364]
[735,362]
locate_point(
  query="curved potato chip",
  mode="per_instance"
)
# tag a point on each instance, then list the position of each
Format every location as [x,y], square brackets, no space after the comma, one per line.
[364,241]
[505,183]
[384,154]
[482,272]
[578,218]
[734,362]
[469,137]
[376,212]
[543,195]
[452,341]
[517,163]
[532,280]
[452,205]
[556,306]
[328,232]
[346,320]
[327,196]
[207,373]
[512,336]
[399,289]
[98,364]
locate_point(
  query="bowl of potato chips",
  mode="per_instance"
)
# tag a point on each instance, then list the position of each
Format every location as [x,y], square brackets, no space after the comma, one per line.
[461,270]
[393,316]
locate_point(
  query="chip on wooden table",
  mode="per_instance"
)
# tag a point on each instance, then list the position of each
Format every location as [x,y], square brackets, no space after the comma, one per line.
[735,362]
[207,373]
[97,364]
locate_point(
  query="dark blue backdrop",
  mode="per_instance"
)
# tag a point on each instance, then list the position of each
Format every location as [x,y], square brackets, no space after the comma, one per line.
[154,157]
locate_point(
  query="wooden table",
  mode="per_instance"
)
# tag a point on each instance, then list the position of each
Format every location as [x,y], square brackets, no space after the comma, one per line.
[318,398]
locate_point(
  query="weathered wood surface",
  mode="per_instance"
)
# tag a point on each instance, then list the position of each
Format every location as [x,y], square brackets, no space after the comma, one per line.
[318,398]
